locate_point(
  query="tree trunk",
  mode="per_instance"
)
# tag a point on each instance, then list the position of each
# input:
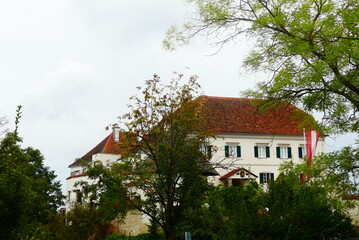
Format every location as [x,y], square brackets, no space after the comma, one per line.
[170,235]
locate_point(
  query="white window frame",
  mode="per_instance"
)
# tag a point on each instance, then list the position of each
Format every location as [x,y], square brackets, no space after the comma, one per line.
[304,150]
[206,150]
[262,151]
[267,177]
[283,151]
[232,150]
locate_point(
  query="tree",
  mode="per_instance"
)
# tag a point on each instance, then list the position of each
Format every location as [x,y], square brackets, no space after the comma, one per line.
[343,169]
[30,196]
[287,210]
[82,222]
[337,172]
[228,213]
[160,169]
[303,211]
[311,47]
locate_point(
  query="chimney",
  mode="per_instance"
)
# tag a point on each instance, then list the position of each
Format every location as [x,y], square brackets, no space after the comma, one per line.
[116,132]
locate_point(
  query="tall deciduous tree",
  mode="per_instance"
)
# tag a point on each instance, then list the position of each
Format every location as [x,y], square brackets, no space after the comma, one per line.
[160,172]
[310,46]
[29,194]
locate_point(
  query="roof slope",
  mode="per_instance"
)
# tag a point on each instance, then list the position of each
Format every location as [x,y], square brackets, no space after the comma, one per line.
[244,115]
[108,145]
[233,115]
[231,173]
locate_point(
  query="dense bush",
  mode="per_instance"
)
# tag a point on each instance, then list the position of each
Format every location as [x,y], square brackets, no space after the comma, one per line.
[145,236]
[288,210]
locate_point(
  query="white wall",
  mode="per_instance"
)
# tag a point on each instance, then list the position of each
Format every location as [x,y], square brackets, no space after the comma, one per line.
[224,165]
[248,160]
[71,188]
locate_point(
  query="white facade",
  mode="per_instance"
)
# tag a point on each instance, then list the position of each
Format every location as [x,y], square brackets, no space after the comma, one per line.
[222,164]
[78,174]
[248,160]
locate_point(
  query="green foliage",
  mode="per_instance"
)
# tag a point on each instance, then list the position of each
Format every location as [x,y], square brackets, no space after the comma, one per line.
[311,47]
[160,169]
[17,119]
[288,210]
[228,213]
[337,172]
[83,221]
[144,236]
[57,229]
[29,194]
[301,211]
[343,168]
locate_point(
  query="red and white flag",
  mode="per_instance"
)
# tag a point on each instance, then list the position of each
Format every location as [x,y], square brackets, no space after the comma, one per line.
[311,138]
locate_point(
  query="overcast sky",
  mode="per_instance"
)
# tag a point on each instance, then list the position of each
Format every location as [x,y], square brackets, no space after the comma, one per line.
[73,64]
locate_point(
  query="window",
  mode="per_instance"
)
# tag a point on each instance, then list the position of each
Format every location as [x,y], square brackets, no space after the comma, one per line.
[232,151]
[78,196]
[261,151]
[74,173]
[284,152]
[266,177]
[207,151]
[302,151]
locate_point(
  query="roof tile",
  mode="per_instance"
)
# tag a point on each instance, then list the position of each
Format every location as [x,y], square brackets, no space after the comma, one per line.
[107,145]
[244,115]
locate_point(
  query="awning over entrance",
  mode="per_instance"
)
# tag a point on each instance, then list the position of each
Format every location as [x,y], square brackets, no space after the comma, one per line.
[237,177]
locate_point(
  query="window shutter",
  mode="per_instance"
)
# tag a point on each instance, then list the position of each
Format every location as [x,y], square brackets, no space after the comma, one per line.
[226,151]
[300,151]
[209,151]
[272,176]
[267,152]
[260,177]
[278,152]
[289,152]
[238,151]
[256,151]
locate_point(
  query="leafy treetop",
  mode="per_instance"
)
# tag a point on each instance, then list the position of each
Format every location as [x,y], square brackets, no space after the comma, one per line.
[311,47]
[160,173]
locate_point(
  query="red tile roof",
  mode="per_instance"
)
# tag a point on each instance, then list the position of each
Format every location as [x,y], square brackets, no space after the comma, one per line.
[244,115]
[231,173]
[108,145]
[234,115]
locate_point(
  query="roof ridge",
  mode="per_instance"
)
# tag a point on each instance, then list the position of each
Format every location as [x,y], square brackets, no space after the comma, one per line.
[235,98]
[88,156]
